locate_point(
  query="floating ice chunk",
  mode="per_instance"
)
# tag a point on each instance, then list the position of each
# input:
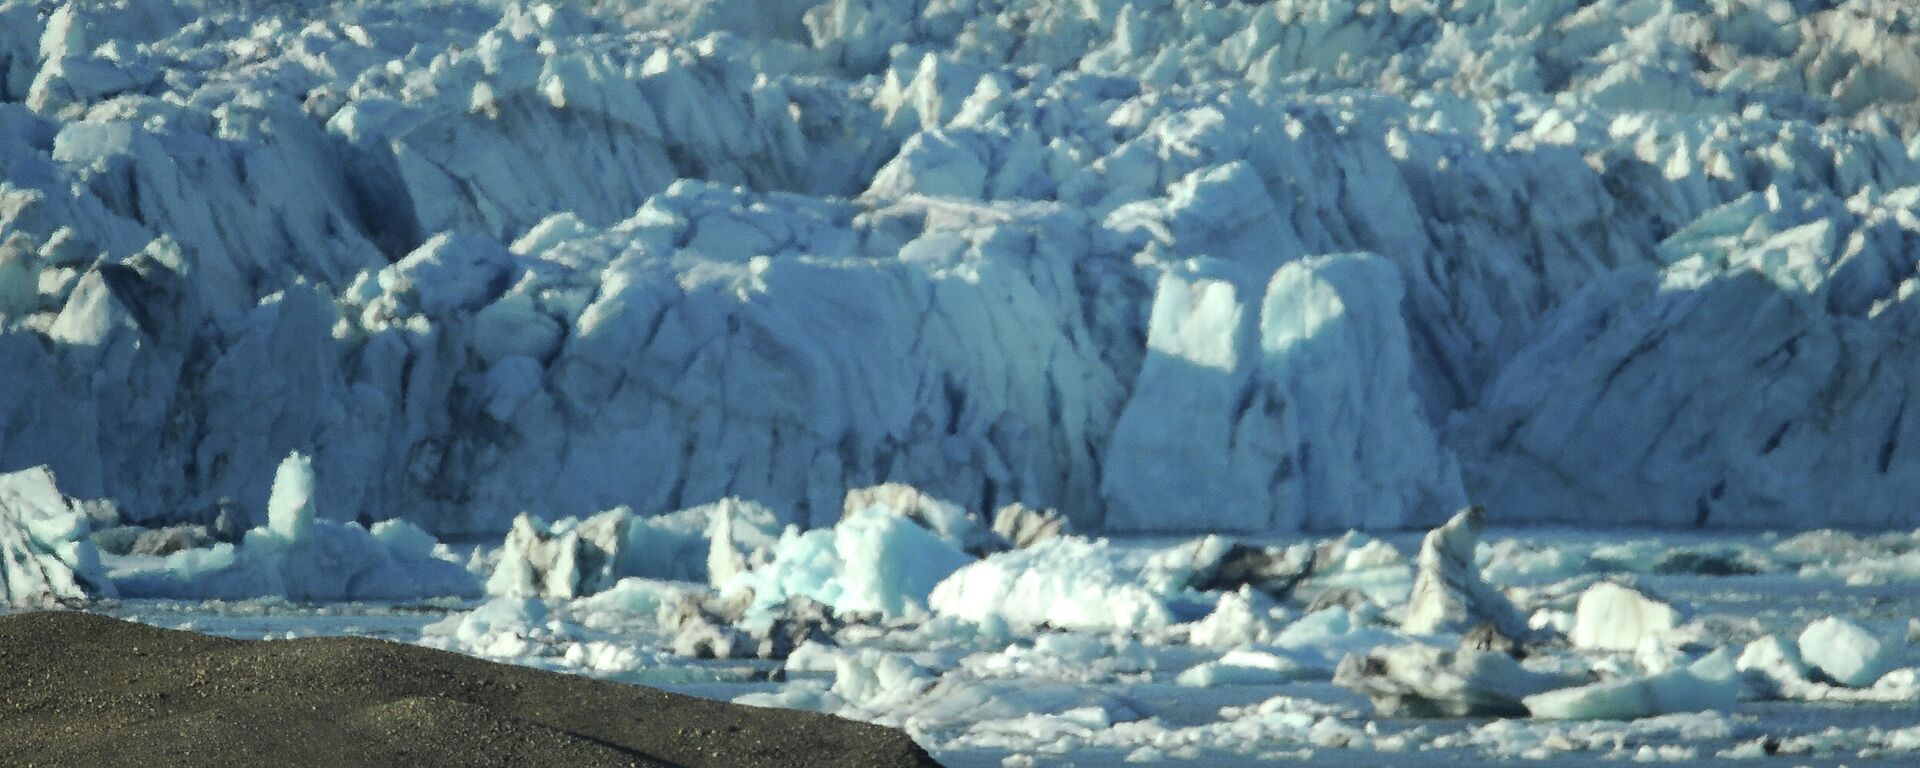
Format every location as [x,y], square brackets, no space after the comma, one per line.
[708,627]
[1320,627]
[290,506]
[46,554]
[1428,681]
[299,556]
[1077,657]
[501,628]
[573,558]
[945,518]
[1243,667]
[1773,663]
[879,680]
[1511,563]
[874,561]
[1356,566]
[1710,683]
[1613,617]
[1550,620]
[1448,594]
[1671,738]
[1713,561]
[565,561]
[1067,582]
[632,597]
[1243,617]
[585,636]
[1773,669]
[1325,637]
[801,622]
[740,535]
[1849,653]
[683,545]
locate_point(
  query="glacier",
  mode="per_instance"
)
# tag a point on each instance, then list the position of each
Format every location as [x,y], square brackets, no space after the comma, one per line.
[1162,266]
[1058,381]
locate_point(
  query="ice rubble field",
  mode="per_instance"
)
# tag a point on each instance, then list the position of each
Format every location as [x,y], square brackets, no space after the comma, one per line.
[1024,643]
[803,352]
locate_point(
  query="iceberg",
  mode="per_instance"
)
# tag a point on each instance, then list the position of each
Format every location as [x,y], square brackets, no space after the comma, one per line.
[874,562]
[1710,683]
[1428,681]
[1448,593]
[1244,617]
[944,518]
[1066,582]
[574,558]
[46,554]
[299,556]
[1614,617]
[1847,652]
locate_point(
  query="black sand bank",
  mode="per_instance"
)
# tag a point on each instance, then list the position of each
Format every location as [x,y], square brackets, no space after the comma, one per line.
[84,690]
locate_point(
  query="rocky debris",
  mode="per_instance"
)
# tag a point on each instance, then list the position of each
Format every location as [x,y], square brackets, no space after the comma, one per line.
[701,633]
[1273,571]
[160,542]
[800,621]
[713,628]
[1023,526]
[573,558]
[538,562]
[1487,637]
[1709,562]
[1448,594]
[117,540]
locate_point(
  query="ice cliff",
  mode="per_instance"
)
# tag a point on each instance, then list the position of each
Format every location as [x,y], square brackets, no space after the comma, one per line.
[1162,266]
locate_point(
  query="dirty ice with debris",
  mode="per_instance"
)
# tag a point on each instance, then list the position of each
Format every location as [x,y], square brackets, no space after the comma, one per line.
[1061,381]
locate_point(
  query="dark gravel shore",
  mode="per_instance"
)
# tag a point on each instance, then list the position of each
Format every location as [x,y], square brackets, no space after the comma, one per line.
[83,690]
